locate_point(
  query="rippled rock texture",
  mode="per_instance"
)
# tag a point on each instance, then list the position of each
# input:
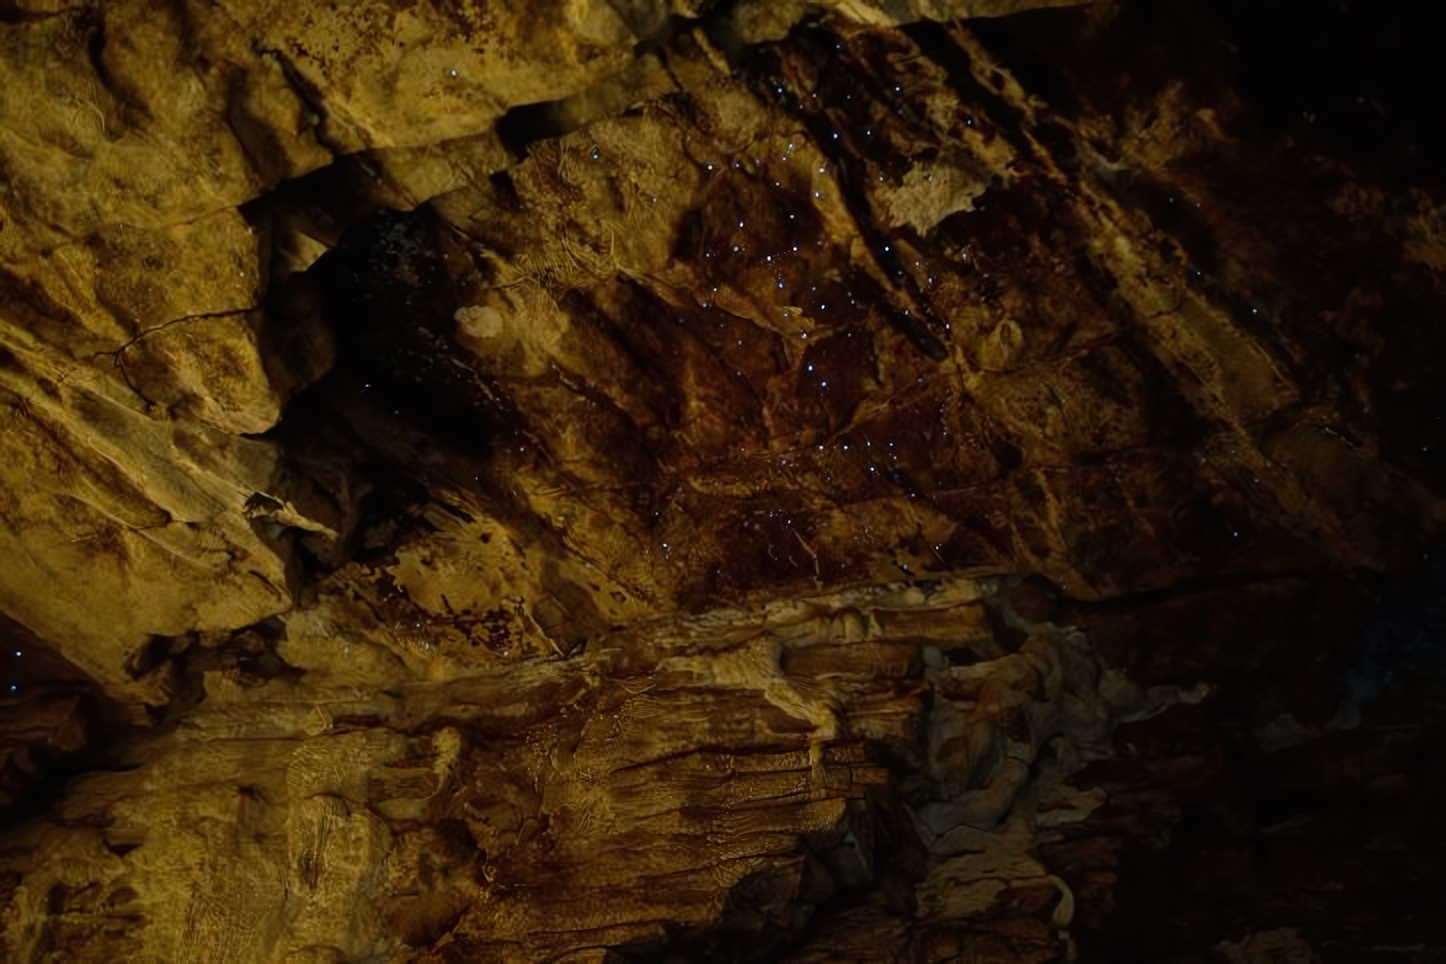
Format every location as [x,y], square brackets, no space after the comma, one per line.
[746,481]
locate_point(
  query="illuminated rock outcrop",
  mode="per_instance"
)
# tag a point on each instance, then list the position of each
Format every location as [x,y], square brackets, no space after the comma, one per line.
[617,480]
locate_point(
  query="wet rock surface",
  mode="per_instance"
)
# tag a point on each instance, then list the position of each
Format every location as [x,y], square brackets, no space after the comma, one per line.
[843,481]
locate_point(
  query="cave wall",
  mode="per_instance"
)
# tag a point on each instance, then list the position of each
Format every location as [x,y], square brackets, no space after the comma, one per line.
[559,484]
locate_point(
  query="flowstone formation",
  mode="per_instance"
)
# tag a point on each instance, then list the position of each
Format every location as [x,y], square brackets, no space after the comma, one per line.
[730,481]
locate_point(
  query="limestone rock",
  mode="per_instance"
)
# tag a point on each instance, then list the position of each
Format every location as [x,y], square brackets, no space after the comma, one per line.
[639,481]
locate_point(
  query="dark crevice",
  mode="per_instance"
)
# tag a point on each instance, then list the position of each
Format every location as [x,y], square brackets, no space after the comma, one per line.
[309,95]
[13,13]
[527,124]
[47,704]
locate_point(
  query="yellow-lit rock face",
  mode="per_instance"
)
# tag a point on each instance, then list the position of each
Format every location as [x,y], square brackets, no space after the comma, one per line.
[133,326]
[545,482]
[527,808]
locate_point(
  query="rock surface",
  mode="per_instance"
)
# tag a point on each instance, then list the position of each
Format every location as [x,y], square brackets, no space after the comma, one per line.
[559,484]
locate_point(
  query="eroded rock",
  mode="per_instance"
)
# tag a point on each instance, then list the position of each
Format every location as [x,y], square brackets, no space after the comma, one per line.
[559,484]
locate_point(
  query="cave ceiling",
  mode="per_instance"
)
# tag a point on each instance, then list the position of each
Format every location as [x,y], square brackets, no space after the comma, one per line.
[867,480]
